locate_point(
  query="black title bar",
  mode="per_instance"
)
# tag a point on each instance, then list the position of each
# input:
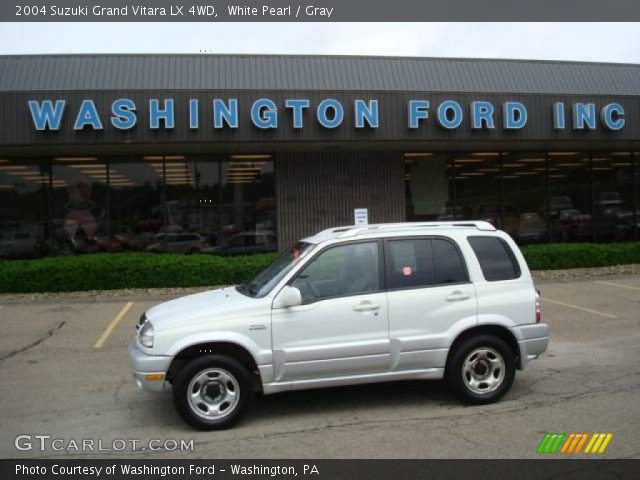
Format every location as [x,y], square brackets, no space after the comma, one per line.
[320,11]
[65,469]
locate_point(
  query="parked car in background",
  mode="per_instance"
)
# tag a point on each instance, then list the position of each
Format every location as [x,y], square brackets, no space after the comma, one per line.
[246,242]
[18,243]
[178,243]
[571,225]
[558,203]
[531,228]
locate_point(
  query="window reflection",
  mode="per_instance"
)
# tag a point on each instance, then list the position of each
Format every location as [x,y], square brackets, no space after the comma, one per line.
[478,190]
[569,197]
[24,211]
[524,194]
[79,204]
[135,203]
[248,215]
[613,197]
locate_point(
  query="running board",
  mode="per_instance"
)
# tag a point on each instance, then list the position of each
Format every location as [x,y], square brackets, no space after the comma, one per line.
[422,374]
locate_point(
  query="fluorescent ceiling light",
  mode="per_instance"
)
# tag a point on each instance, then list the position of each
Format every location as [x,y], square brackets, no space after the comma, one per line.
[417,154]
[485,154]
[250,156]
[75,159]
[531,160]
[562,154]
[469,160]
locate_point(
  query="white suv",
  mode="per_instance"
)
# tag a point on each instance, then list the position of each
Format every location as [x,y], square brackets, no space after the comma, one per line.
[350,305]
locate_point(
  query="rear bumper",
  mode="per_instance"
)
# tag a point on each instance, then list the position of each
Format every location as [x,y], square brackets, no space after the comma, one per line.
[143,366]
[532,340]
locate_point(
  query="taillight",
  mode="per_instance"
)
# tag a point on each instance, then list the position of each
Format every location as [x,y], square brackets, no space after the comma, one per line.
[538,312]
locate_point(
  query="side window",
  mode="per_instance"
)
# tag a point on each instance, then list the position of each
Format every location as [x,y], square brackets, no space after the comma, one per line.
[343,270]
[410,263]
[496,258]
[450,267]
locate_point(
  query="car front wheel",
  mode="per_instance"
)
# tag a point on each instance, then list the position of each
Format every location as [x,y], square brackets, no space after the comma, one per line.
[212,392]
[481,369]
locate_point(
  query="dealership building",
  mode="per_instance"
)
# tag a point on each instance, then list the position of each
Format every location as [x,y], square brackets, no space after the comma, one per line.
[245,153]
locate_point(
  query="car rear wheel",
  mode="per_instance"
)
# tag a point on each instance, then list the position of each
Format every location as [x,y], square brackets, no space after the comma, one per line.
[212,392]
[481,369]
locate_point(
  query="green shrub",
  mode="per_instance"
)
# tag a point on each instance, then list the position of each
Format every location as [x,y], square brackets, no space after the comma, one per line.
[109,271]
[557,256]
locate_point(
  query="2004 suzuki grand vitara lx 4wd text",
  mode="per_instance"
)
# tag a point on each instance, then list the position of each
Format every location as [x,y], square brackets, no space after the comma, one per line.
[350,305]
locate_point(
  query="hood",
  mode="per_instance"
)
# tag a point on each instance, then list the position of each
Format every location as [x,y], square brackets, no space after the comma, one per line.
[192,308]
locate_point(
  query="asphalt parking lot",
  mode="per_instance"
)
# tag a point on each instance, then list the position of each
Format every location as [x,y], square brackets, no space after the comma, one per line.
[64,373]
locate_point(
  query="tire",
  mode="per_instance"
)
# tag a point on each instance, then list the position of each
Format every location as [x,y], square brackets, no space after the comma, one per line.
[481,369]
[220,402]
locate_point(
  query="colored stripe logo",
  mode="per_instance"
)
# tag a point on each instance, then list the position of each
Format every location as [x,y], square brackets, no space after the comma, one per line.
[574,443]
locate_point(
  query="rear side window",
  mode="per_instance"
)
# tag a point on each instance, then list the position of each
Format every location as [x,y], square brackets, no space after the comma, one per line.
[421,262]
[450,267]
[410,263]
[496,258]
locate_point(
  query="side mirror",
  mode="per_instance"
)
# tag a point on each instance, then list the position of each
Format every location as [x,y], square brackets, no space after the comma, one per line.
[288,297]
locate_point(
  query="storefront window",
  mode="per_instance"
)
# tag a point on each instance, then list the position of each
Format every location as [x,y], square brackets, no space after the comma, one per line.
[613,197]
[636,176]
[24,208]
[80,217]
[248,215]
[428,186]
[570,206]
[477,177]
[524,188]
[135,199]
[193,203]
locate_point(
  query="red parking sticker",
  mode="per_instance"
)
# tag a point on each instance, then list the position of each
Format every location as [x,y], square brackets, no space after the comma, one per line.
[406,271]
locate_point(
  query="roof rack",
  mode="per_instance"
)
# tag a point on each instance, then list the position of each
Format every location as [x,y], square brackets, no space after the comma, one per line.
[354,230]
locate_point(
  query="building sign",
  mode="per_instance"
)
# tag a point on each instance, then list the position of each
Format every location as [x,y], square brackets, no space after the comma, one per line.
[329,113]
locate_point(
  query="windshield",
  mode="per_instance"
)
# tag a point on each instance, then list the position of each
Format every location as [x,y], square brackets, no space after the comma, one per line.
[262,284]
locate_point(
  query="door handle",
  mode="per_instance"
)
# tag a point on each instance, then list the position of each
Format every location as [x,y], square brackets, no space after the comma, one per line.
[365,307]
[457,296]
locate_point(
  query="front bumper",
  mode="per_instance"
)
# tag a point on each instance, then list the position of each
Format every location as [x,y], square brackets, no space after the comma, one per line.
[143,365]
[533,340]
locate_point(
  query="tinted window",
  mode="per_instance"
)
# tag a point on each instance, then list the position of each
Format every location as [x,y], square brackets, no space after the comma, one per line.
[496,258]
[449,265]
[420,262]
[344,270]
[410,263]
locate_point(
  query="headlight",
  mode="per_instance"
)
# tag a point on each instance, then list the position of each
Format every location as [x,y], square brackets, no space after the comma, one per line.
[146,335]
[143,318]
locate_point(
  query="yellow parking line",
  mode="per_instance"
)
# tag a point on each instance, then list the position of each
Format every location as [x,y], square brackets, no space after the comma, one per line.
[103,338]
[620,285]
[595,312]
